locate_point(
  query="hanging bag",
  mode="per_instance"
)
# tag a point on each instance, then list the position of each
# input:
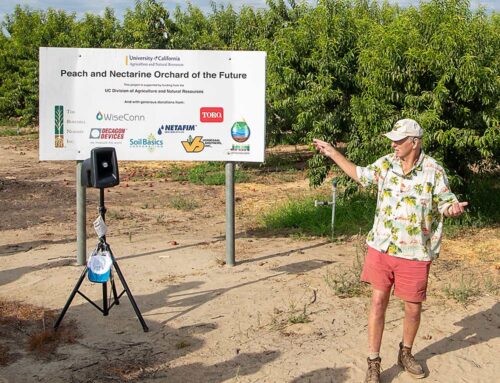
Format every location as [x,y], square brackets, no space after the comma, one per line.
[99,266]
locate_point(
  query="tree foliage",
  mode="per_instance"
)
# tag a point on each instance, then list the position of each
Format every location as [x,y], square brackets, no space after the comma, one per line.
[340,70]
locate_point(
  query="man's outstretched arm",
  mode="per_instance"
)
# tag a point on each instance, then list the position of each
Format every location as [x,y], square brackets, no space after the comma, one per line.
[328,150]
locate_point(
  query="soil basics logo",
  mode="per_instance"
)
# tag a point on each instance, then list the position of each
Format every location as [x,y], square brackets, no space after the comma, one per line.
[58,126]
[211,114]
[240,131]
[150,142]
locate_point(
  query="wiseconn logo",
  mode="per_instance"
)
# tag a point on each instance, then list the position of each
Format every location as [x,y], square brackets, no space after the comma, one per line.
[212,114]
[59,126]
[119,117]
[193,145]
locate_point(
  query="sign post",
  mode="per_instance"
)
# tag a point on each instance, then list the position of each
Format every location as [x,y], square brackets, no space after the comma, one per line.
[81,217]
[230,243]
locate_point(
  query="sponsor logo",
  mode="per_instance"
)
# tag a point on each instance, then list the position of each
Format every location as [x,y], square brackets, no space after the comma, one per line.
[176,129]
[107,133]
[134,60]
[240,131]
[239,149]
[119,117]
[193,145]
[58,126]
[209,142]
[212,114]
[150,142]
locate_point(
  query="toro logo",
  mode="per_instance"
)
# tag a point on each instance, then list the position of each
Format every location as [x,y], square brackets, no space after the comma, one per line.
[211,114]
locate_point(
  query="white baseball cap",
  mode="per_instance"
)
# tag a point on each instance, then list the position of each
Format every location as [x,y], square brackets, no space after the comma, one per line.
[405,128]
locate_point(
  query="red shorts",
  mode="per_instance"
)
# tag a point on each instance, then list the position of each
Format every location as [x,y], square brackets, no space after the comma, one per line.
[408,277]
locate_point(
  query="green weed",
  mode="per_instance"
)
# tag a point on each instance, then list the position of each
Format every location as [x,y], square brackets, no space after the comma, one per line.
[114,214]
[213,173]
[16,131]
[206,173]
[181,203]
[4,132]
[160,218]
[465,291]
[182,344]
[298,316]
[345,281]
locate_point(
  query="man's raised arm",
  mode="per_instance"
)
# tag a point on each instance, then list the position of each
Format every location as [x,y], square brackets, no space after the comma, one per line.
[328,150]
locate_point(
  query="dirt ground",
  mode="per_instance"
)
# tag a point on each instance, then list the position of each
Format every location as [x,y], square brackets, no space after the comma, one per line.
[271,318]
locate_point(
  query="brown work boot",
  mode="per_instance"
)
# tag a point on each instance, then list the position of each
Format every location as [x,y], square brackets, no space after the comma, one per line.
[408,362]
[373,373]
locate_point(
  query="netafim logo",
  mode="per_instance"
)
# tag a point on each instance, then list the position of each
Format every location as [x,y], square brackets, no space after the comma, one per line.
[59,126]
[176,129]
[127,117]
[212,114]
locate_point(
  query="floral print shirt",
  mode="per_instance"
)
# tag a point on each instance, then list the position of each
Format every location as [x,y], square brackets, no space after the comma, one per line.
[409,215]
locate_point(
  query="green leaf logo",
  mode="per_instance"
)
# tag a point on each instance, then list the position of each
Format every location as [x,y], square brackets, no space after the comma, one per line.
[59,126]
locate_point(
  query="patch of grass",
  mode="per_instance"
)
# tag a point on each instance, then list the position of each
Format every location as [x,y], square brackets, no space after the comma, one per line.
[6,131]
[352,216]
[491,285]
[113,214]
[146,206]
[298,315]
[345,281]
[297,312]
[213,173]
[181,203]
[160,218]
[31,327]
[182,344]
[463,292]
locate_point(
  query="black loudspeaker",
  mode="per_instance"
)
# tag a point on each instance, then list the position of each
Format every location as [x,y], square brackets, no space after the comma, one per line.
[101,169]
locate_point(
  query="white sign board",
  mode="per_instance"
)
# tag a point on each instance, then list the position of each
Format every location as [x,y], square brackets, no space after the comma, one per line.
[152,104]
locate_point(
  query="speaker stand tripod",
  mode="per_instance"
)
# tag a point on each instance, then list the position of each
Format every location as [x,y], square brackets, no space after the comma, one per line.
[106,302]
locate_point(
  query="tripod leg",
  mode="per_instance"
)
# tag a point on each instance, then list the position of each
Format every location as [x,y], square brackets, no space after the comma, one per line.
[113,288]
[105,308]
[70,299]
[130,296]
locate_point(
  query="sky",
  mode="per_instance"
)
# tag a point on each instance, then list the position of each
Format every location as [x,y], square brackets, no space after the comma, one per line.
[80,7]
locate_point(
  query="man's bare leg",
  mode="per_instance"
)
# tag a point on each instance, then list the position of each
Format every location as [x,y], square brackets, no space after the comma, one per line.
[411,322]
[376,319]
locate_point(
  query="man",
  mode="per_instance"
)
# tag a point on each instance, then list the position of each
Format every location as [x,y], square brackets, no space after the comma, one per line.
[413,196]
